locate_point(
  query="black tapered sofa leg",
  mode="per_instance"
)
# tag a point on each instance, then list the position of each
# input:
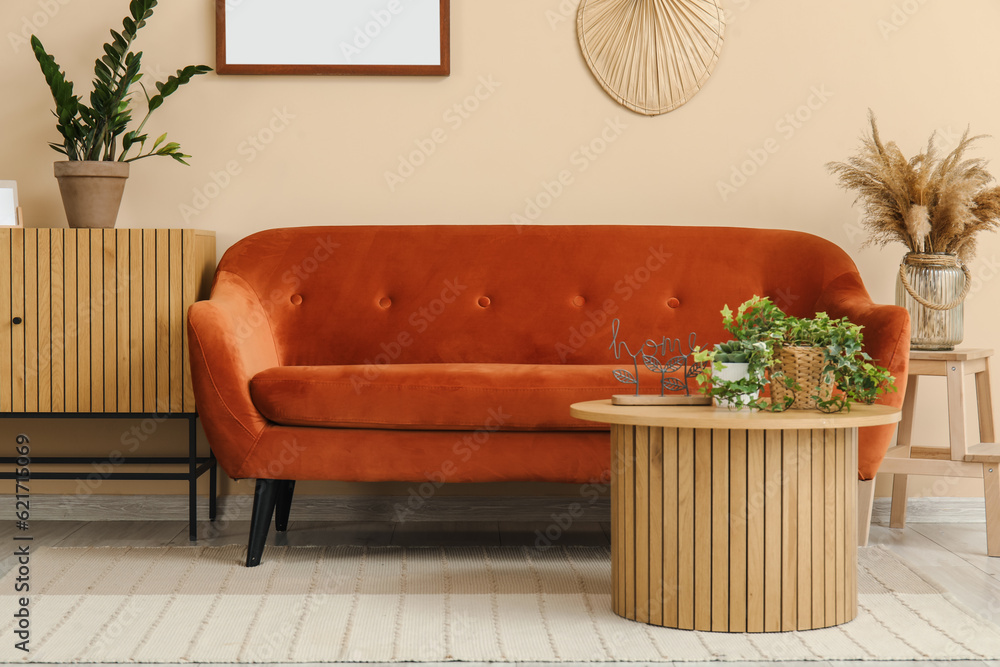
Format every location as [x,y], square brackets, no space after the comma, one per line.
[264,498]
[283,505]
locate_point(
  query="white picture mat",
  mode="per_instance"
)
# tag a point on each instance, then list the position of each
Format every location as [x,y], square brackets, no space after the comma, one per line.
[8,204]
[333,32]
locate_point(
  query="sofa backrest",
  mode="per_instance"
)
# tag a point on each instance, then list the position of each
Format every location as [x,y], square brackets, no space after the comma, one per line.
[506,294]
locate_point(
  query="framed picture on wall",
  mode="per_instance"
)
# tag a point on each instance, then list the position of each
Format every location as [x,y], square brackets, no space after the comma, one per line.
[10,214]
[356,37]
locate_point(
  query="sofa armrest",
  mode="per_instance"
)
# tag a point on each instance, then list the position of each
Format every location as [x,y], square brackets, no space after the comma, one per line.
[230,341]
[887,340]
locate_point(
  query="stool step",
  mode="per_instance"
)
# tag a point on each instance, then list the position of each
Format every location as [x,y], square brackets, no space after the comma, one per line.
[937,453]
[984,452]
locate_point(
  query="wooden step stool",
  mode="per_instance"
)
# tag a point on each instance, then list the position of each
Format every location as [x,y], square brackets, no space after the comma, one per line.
[959,459]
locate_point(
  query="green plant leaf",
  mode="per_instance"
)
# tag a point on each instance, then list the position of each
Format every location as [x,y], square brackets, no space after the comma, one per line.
[67,104]
[102,71]
[168,87]
[141,10]
[120,43]
[169,148]
[113,54]
[94,132]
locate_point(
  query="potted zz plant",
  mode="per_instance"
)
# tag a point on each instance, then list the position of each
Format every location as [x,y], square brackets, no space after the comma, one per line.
[808,363]
[96,139]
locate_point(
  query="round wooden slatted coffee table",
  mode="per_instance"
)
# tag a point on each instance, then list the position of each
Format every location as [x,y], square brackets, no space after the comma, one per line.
[734,521]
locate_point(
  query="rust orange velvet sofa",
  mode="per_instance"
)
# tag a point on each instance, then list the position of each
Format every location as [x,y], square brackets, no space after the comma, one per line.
[452,353]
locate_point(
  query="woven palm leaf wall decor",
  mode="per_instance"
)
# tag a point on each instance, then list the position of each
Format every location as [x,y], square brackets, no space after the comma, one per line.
[651,56]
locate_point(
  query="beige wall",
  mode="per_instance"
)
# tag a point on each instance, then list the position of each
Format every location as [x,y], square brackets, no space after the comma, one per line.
[920,64]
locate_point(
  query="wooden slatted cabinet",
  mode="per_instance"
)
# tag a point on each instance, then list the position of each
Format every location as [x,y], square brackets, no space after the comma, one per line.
[93,321]
[93,324]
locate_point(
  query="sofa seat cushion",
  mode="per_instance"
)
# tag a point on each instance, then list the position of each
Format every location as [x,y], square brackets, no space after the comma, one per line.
[508,397]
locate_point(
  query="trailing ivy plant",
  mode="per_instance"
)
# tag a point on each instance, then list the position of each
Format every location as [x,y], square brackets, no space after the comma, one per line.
[761,329]
[92,132]
[737,393]
[751,327]
[855,377]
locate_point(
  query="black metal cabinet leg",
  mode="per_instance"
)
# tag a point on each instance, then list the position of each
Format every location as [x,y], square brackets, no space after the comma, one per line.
[83,465]
[264,498]
[193,478]
[283,505]
[213,488]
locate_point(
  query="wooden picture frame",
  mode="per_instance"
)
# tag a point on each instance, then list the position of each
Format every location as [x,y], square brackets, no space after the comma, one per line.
[10,212]
[360,37]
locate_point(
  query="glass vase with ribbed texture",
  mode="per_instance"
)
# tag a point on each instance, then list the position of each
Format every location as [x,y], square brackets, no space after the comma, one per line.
[940,280]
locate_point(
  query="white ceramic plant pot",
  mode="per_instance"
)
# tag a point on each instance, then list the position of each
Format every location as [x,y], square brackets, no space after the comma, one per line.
[732,372]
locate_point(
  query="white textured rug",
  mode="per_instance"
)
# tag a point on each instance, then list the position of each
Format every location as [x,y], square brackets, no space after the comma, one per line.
[314,604]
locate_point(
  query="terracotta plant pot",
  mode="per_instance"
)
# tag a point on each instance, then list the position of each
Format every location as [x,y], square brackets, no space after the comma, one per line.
[91,192]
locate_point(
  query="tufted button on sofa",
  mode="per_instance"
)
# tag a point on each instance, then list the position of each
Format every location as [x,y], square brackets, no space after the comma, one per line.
[452,353]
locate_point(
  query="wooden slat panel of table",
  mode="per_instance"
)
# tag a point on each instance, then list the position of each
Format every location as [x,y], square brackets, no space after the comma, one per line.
[749,517]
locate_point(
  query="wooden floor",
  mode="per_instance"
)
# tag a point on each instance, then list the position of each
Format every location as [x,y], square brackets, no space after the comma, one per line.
[952,555]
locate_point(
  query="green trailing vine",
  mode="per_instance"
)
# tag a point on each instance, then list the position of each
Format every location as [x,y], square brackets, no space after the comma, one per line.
[99,131]
[749,327]
[760,329]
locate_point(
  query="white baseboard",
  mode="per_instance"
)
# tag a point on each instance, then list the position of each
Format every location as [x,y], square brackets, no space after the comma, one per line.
[934,510]
[322,508]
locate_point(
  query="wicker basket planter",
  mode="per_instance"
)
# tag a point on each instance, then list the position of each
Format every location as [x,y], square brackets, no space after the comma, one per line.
[804,367]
